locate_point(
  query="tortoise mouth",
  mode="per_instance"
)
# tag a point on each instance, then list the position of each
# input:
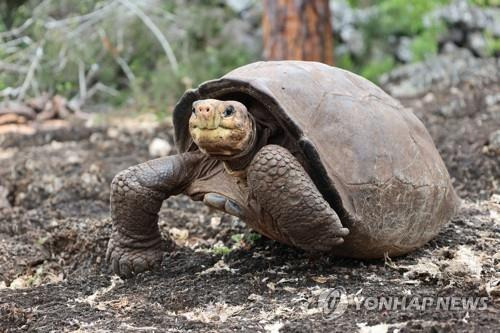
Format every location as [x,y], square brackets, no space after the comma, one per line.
[221,141]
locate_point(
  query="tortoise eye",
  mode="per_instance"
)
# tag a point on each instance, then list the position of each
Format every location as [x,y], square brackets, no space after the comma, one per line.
[228,111]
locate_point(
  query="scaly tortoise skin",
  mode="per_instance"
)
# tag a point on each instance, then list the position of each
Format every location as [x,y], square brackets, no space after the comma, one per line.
[306,154]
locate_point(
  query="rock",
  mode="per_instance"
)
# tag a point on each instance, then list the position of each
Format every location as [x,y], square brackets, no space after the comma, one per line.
[4,201]
[424,268]
[353,40]
[494,142]
[403,50]
[493,104]
[342,14]
[467,25]
[449,47]
[440,72]
[465,263]
[347,23]
[159,147]
[462,13]
[239,5]
[112,132]
[477,43]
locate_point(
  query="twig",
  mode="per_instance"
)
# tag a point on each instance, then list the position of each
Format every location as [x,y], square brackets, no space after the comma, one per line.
[18,30]
[81,79]
[5,66]
[105,89]
[17,41]
[156,31]
[76,102]
[79,99]
[22,55]
[77,19]
[35,87]
[62,60]
[94,68]
[31,72]
[126,69]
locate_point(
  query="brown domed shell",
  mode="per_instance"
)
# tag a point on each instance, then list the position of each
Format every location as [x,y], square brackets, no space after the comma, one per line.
[372,159]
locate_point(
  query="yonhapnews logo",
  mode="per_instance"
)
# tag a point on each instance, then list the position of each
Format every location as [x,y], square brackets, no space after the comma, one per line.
[333,303]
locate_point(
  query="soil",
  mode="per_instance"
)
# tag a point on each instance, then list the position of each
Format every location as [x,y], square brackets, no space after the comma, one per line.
[54,227]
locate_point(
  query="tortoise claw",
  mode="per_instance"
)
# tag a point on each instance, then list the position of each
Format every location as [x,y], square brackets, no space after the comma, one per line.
[224,204]
[127,261]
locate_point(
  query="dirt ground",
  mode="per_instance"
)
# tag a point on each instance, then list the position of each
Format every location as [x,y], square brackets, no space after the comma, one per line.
[54,227]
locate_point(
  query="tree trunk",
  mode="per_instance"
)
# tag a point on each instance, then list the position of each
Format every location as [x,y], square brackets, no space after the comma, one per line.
[297,30]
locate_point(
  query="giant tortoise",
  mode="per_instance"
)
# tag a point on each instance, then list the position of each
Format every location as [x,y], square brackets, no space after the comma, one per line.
[306,154]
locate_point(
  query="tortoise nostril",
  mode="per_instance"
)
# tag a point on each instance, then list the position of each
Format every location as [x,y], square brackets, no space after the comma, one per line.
[202,110]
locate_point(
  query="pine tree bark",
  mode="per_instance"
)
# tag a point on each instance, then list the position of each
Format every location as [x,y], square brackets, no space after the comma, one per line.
[297,30]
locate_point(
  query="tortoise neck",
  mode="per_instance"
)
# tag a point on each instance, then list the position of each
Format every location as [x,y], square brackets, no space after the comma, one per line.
[240,161]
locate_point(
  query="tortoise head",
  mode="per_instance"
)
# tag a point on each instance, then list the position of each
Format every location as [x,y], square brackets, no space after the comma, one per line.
[223,129]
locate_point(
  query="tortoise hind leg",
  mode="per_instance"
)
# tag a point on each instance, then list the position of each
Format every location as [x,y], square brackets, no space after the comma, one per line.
[284,190]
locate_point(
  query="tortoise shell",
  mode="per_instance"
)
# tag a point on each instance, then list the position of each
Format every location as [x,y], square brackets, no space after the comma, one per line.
[371,158]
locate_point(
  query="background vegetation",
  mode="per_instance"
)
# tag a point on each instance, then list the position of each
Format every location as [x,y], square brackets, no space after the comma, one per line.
[146,53]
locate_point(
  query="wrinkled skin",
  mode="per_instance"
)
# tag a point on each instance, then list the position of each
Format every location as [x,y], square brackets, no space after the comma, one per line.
[263,184]
[220,128]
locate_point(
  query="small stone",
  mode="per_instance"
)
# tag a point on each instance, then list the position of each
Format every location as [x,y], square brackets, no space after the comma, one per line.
[74,159]
[255,298]
[96,137]
[178,234]
[215,222]
[477,42]
[4,202]
[428,98]
[113,132]
[465,263]
[404,49]
[494,141]
[492,100]
[159,147]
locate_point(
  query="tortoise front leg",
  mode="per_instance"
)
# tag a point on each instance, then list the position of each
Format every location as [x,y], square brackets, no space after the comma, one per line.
[284,190]
[137,194]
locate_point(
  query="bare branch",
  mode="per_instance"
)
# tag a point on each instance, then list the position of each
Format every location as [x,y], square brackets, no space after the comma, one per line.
[17,41]
[103,88]
[81,80]
[5,66]
[77,19]
[17,31]
[126,69]
[31,72]
[156,31]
